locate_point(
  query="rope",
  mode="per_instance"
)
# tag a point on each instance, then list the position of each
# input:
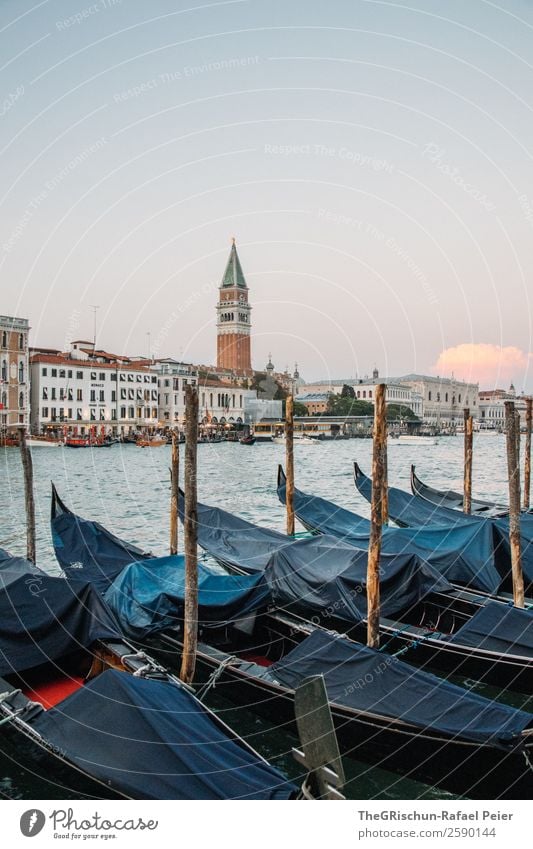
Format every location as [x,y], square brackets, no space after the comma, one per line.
[11,717]
[528,762]
[415,643]
[393,636]
[213,678]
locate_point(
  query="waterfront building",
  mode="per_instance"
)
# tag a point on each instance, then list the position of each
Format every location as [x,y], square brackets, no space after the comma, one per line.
[14,377]
[233,318]
[398,392]
[315,402]
[491,412]
[84,390]
[443,398]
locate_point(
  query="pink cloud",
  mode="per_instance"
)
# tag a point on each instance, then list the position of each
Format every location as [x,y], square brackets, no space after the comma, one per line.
[489,365]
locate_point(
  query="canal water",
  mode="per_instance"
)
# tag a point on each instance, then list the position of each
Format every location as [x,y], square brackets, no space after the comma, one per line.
[127,489]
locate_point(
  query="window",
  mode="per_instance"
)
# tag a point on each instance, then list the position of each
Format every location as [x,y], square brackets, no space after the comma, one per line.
[44,372]
[438,396]
[131,413]
[122,378]
[154,379]
[79,395]
[139,378]
[79,375]
[54,372]
[459,399]
[102,415]
[370,393]
[147,378]
[61,414]
[130,378]
[166,384]
[70,394]
[61,394]
[102,376]
[93,375]
[113,415]
[123,412]
[154,412]
[131,394]
[69,374]
[78,414]
[44,412]
[21,341]
[429,396]
[102,395]
[123,393]
[93,415]
[446,397]
[139,395]
[4,339]
[166,398]
[155,396]
[53,413]
[45,393]
[4,369]
[113,376]
[53,393]
[113,396]
[62,373]
[93,396]
[69,413]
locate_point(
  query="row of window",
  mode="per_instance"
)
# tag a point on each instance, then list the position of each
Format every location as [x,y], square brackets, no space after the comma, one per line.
[446,396]
[3,399]
[230,316]
[21,340]
[176,383]
[101,376]
[94,415]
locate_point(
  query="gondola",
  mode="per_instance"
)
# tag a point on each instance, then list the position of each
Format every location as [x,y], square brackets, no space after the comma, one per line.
[384,710]
[468,554]
[247,440]
[412,511]
[323,579]
[454,500]
[81,700]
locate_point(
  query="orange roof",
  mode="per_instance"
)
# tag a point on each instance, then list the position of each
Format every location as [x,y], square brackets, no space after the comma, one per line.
[61,359]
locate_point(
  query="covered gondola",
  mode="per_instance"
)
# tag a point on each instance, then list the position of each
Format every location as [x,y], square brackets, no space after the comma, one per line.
[78,695]
[454,500]
[384,710]
[415,512]
[422,615]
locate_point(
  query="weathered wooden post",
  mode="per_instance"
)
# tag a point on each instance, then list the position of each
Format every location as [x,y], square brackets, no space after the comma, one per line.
[190,527]
[379,465]
[174,492]
[513,470]
[289,448]
[527,453]
[27,466]
[468,445]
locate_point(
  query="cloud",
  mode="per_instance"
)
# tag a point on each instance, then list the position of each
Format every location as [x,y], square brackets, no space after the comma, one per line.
[489,365]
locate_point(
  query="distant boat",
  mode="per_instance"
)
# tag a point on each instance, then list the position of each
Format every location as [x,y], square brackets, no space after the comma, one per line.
[43,442]
[299,439]
[151,443]
[247,440]
[411,439]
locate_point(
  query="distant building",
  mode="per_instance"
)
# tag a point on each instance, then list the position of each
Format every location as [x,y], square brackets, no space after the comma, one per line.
[491,412]
[233,318]
[14,376]
[443,398]
[84,390]
[315,402]
[398,391]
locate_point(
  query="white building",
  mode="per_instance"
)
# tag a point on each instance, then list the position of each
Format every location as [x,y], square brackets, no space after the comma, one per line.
[491,412]
[398,392]
[443,398]
[80,391]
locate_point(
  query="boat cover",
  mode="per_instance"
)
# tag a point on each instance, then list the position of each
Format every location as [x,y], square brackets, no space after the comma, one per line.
[325,575]
[153,740]
[413,511]
[80,544]
[148,596]
[367,680]
[12,568]
[235,541]
[499,628]
[454,500]
[465,554]
[44,618]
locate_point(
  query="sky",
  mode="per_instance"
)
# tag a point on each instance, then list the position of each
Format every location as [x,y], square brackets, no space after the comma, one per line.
[373,160]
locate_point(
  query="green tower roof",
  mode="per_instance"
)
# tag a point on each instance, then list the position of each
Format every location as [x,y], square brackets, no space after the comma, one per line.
[233,275]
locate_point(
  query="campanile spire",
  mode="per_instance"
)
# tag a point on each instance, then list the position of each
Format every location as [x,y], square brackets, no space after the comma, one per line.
[233,317]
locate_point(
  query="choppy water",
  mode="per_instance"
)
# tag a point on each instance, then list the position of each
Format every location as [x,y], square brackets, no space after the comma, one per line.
[127,489]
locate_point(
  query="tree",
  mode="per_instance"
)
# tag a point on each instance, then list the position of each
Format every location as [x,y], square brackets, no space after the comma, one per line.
[399,411]
[339,406]
[347,391]
[300,409]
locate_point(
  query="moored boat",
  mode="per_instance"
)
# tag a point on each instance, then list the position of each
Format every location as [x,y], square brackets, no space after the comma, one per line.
[454,500]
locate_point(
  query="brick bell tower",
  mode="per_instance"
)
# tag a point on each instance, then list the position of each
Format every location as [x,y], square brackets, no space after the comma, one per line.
[233,317]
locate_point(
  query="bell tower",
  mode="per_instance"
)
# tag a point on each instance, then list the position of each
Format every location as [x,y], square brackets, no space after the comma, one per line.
[233,317]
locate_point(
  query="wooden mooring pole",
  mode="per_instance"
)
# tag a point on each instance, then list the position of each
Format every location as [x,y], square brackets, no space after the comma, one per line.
[27,466]
[379,480]
[513,470]
[174,492]
[190,537]
[289,448]
[469,436]
[527,454]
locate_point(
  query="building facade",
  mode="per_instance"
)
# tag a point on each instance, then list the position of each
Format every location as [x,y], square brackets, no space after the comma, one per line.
[233,318]
[14,376]
[79,393]
[491,412]
[443,398]
[314,395]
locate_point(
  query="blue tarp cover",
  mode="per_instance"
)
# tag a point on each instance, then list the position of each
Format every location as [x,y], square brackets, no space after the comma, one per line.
[464,554]
[415,512]
[148,596]
[499,628]
[44,618]
[153,740]
[367,680]
[88,546]
[12,568]
[325,575]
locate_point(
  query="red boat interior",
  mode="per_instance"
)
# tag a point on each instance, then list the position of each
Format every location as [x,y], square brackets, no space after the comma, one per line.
[49,693]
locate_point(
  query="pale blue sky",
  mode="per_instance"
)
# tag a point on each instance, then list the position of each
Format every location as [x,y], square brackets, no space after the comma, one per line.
[373,159]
